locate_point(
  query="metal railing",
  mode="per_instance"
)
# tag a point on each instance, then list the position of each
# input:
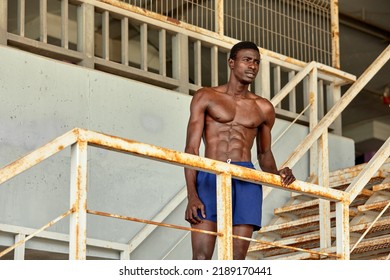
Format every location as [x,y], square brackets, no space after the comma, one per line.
[79,139]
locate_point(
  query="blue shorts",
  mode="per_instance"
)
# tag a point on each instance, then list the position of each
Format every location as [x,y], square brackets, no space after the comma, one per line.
[247,198]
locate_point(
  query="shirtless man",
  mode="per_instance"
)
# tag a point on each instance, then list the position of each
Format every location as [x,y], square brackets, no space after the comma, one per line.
[229,118]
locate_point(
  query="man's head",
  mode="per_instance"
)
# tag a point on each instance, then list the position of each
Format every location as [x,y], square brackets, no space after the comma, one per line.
[242,46]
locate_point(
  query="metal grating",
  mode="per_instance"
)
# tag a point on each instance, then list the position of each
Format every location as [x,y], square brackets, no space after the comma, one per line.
[296,28]
[198,13]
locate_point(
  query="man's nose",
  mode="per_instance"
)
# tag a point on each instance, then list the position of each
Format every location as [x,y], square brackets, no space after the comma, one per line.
[252,65]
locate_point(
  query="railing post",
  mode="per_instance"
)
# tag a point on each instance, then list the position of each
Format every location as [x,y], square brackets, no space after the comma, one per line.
[65,24]
[214,66]
[86,34]
[21,17]
[265,82]
[224,214]
[324,205]
[3,22]
[20,250]
[78,201]
[342,230]
[333,96]
[43,21]
[180,61]
[334,18]
[313,119]
[219,20]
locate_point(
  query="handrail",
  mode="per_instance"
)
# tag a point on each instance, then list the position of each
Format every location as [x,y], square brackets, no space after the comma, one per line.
[338,107]
[77,137]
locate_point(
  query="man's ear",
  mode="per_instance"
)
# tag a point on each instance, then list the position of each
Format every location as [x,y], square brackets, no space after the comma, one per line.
[231,63]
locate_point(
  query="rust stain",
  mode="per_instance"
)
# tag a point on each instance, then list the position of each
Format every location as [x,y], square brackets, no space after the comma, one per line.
[173,20]
[99,213]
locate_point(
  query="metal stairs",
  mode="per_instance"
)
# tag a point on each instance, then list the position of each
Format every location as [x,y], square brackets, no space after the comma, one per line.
[297,224]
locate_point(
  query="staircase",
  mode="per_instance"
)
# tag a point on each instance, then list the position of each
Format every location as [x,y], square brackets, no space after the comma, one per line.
[296,223]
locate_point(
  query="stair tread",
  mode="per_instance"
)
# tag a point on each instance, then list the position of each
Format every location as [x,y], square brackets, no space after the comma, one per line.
[378,205]
[309,208]
[287,241]
[372,244]
[380,225]
[294,223]
[381,187]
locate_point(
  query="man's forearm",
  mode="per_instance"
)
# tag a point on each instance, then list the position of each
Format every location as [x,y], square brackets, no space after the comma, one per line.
[190,175]
[267,163]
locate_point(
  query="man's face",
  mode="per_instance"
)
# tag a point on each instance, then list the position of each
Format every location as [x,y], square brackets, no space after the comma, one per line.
[246,65]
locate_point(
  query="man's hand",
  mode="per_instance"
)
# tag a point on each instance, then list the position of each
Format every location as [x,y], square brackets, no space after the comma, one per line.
[286,176]
[191,215]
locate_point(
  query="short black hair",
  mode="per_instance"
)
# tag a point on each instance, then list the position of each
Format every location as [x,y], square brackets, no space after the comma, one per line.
[242,46]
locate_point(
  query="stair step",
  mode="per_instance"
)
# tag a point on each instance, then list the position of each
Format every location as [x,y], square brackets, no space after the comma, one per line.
[373,244]
[303,255]
[297,207]
[377,206]
[295,227]
[310,207]
[381,187]
[289,241]
[380,225]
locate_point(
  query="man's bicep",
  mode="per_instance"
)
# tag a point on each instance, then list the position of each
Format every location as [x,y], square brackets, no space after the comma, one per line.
[195,125]
[194,135]
[264,139]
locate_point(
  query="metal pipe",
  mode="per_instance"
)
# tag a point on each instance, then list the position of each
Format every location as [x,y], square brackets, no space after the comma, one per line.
[22,241]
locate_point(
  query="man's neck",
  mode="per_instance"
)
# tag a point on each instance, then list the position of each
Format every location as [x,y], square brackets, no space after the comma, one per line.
[236,89]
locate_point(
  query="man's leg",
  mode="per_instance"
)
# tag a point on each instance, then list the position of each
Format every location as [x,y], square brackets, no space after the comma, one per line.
[240,247]
[203,244]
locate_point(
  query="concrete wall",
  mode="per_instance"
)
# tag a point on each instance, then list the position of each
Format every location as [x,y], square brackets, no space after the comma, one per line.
[41,99]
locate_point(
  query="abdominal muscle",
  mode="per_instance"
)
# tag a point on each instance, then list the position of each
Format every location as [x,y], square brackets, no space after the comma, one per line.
[228,141]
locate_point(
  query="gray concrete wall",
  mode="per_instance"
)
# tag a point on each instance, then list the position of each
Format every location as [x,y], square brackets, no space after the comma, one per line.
[41,99]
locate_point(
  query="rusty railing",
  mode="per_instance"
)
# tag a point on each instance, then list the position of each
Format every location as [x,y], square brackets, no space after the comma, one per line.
[79,139]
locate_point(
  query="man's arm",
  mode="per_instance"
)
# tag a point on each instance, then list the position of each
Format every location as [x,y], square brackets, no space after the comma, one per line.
[194,136]
[264,151]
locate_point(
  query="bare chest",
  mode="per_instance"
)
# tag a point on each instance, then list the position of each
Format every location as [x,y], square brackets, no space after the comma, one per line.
[244,112]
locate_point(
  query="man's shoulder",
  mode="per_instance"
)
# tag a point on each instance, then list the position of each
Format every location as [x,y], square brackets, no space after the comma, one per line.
[264,103]
[260,100]
[207,92]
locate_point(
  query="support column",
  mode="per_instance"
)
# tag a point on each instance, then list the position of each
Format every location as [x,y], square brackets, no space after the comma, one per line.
[78,201]
[342,230]
[224,214]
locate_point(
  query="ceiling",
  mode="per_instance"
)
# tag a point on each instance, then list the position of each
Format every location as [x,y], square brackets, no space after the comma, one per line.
[364,34]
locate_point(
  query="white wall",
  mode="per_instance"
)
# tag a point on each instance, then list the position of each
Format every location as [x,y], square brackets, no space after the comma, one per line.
[41,99]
